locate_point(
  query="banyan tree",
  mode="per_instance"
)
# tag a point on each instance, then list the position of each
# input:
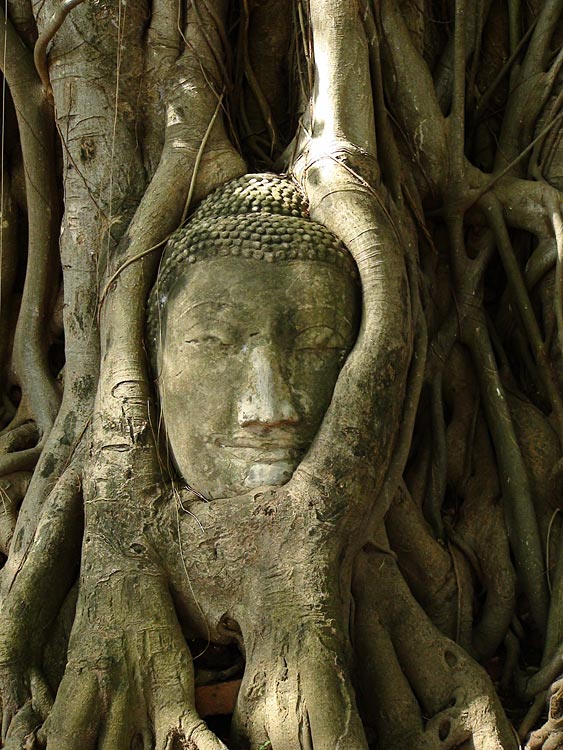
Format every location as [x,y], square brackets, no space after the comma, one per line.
[281,394]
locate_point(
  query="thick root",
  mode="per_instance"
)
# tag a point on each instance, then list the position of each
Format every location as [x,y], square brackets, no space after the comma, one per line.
[129,681]
[550,735]
[296,692]
[423,689]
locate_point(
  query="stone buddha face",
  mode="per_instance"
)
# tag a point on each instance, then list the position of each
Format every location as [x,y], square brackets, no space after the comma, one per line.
[248,357]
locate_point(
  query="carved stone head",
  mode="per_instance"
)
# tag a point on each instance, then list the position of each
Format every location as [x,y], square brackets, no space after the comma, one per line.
[252,316]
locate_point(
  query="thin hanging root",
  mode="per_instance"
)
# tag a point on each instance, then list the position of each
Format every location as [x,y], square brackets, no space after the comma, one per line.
[456,141]
[35,122]
[479,16]
[522,524]
[550,112]
[199,156]
[514,20]
[389,155]
[497,177]
[519,510]
[438,468]
[558,301]
[530,86]
[476,14]
[212,39]
[215,16]
[253,81]
[503,72]
[539,47]
[493,212]
[8,260]
[40,51]
[415,106]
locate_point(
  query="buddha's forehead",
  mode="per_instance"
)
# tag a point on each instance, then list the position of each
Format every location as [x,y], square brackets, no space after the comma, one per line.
[235,288]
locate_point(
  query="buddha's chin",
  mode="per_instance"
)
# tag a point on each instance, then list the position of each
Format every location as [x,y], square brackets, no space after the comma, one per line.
[269,474]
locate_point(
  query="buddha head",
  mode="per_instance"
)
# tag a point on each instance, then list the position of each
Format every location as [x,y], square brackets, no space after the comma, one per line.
[253,313]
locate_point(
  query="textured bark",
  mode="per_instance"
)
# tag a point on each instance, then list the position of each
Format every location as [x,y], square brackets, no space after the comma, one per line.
[421,533]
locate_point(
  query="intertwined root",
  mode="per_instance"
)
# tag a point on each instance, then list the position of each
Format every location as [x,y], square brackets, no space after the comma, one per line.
[550,735]
[423,690]
[296,692]
[129,678]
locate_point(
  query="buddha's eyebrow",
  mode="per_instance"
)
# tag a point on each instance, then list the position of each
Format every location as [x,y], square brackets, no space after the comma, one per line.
[214,304]
[334,321]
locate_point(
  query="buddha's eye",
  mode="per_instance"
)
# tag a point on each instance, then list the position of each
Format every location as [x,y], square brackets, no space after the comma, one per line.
[221,342]
[320,339]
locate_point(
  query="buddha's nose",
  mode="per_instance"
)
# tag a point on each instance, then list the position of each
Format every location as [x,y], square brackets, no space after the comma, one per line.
[266,400]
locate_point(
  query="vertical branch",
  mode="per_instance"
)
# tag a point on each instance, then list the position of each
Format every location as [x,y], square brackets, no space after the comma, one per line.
[35,122]
[339,171]
[538,49]
[558,301]
[415,106]
[162,51]
[530,87]
[389,157]
[457,116]
[524,307]
[343,105]
[514,17]
[518,505]
[8,265]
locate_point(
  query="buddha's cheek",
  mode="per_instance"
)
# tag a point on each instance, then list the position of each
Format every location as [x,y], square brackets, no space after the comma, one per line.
[313,380]
[199,410]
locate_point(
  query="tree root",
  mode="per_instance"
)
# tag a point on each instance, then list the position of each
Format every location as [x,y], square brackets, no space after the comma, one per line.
[32,603]
[115,663]
[428,568]
[423,690]
[35,122]
[12,492]
[550,735]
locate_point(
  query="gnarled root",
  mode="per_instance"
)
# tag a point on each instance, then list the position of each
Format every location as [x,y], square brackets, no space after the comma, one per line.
[296,692]
[129,678]
[423,690]
[550,735]
[12,491]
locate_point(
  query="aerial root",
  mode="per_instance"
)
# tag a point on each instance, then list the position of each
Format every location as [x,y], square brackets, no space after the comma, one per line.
[296,691]
[419,668]
[12,491]
[550,735]
[19,438]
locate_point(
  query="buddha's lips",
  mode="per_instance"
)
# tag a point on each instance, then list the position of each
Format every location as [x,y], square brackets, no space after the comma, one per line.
[255,449]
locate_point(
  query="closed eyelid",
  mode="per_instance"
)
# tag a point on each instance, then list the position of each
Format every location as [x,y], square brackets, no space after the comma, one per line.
[322,329]
[320,337]
[206,315]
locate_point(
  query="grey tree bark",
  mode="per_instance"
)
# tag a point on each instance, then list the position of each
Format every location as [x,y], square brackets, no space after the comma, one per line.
[416,548]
